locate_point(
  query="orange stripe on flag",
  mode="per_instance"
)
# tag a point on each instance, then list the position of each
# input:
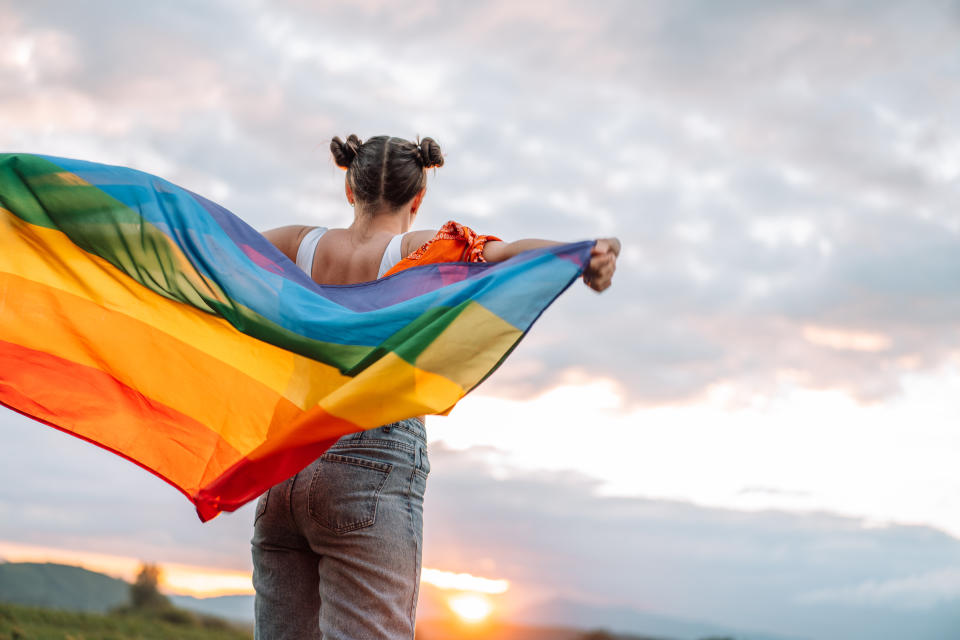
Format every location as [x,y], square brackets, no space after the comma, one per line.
[44,260]
[95,406]
[139,356]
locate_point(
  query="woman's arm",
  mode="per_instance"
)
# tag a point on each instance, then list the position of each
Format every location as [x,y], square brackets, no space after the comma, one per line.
[497,250]
[598,274]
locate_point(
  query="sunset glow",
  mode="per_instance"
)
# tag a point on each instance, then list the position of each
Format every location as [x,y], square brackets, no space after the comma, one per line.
[207,582]
[204,583]
[471,607]
[201,582]
[463,581]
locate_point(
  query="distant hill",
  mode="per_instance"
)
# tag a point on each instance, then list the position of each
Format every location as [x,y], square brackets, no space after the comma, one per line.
[236,608]
[569,613]
[59,586]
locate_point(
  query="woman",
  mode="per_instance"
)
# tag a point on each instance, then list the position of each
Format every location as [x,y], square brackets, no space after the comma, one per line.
[337,547]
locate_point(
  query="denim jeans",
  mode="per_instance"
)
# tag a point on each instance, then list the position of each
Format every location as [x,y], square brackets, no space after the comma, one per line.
[337,547]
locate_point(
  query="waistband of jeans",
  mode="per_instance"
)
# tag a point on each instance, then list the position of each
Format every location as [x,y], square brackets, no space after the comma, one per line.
[414,426]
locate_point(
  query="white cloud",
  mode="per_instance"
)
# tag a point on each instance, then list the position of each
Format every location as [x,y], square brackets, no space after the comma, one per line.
[571,125]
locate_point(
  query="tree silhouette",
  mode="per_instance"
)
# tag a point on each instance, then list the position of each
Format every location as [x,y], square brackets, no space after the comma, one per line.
[145,593]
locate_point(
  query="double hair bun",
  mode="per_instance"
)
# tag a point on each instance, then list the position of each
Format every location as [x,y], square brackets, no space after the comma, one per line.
[427,153]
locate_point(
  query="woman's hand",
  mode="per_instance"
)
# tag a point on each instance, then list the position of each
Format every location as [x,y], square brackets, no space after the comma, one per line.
[603,262]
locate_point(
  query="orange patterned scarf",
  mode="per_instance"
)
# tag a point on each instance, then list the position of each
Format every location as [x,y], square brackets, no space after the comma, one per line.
[454,242]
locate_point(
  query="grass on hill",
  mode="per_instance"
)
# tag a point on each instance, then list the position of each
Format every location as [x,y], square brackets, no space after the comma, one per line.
[31,623]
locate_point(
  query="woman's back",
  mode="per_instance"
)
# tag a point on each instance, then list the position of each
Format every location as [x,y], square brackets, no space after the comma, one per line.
[340,256]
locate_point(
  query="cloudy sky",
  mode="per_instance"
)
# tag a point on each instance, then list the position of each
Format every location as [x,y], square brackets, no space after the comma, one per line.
[760,416]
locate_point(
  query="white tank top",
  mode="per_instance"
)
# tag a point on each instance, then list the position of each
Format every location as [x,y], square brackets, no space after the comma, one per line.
[308,249]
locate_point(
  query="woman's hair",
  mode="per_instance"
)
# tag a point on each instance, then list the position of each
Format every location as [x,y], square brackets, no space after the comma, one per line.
[384,169]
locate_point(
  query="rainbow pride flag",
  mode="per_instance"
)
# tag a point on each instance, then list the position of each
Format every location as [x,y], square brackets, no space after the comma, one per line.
[156,324]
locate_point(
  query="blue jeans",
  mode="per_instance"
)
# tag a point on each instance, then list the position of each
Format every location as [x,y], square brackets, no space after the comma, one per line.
[337,547]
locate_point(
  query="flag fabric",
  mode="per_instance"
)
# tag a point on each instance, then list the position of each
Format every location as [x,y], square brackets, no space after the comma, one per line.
[154,323]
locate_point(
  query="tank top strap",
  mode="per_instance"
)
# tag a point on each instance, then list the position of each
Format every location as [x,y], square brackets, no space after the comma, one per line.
[308,248]
[391,255]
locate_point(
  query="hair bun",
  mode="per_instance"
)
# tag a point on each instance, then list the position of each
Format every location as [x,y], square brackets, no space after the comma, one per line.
[345,152]
[430,154]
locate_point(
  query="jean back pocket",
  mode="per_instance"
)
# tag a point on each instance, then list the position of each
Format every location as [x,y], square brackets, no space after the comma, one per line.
[345,490]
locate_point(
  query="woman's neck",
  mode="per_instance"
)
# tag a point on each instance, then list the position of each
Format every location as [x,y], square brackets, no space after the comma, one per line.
[366,225]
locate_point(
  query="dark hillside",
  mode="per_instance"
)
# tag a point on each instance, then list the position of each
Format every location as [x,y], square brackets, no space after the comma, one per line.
[31,623]
[60,586]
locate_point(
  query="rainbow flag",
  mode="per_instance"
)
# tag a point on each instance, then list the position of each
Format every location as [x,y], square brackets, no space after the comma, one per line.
[156,324]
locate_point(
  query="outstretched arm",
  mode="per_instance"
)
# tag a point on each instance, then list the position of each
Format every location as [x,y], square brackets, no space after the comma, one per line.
[598,275]
[498,251]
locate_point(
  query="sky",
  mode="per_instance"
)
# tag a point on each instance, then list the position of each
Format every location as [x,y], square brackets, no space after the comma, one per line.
[757,419]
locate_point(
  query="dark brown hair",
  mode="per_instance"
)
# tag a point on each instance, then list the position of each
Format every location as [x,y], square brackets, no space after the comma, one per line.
[386,170]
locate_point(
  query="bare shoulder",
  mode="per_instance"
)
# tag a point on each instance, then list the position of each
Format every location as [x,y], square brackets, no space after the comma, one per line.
[413,240]
[287,239]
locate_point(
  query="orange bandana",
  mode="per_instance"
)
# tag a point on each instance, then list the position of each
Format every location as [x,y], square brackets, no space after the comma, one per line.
[454,242]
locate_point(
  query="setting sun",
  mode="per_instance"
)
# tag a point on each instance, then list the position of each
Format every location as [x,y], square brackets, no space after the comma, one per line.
[471,607]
